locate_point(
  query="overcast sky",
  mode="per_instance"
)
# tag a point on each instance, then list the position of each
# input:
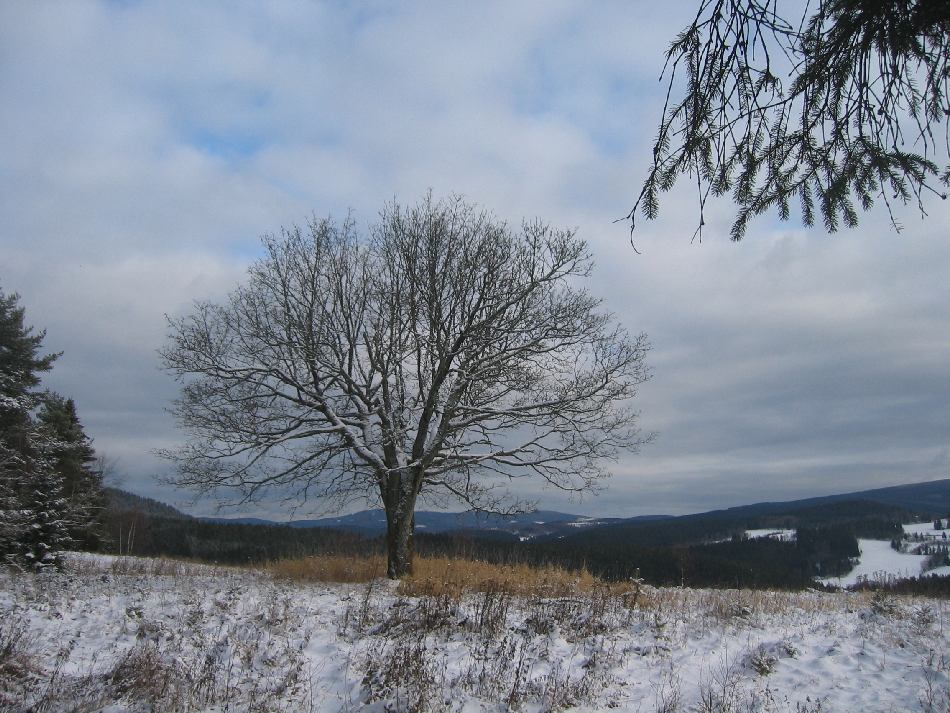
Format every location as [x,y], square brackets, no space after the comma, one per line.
[146,146]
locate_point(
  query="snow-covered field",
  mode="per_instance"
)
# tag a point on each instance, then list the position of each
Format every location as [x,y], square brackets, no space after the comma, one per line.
[104,636]
[879,561]
[925,529]
[778,534]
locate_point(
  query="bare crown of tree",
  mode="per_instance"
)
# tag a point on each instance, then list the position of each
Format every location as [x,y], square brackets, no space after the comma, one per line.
[442,351]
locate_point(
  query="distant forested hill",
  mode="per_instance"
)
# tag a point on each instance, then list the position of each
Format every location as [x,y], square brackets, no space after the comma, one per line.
[924,500]
[706,549]
[864,518]
[919,501]
[124,501]
[147,527]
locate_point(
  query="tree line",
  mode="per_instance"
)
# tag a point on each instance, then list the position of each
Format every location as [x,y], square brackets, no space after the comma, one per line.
[51,495]
[818,550]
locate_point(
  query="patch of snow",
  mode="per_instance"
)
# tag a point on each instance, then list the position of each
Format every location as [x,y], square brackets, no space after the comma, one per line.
[924,529]
[879,561]
[773,533]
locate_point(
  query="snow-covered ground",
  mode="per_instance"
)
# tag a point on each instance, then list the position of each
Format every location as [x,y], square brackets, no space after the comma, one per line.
[880,561]
[778,534]
[925,529]
[104,637]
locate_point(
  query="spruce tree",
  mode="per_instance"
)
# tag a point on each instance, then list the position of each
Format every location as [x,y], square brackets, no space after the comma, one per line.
[45,457]
[71,454]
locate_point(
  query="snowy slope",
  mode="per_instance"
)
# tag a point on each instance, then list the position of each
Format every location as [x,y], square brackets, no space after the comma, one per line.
[926,530]
[215,640]
[879,561]
[784,535]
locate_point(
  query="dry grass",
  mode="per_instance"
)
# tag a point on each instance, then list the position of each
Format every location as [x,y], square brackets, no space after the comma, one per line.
[83,564]
[451,577]
[330,568]
[444,576]
[432,576]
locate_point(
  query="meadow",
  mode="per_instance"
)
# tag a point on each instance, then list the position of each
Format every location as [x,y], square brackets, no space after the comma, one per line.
[328,634]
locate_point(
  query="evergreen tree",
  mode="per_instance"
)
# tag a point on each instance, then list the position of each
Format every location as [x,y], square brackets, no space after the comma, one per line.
[74,460]
[20,362]
[46,481]
[43,518]
[835,109]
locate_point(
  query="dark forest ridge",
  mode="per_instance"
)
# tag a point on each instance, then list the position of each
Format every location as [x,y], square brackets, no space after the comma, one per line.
[703,549]
[927,499]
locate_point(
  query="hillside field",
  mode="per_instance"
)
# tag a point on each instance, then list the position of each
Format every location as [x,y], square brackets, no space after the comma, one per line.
[135,634]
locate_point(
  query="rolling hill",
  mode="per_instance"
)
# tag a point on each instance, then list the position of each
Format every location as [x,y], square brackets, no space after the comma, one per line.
[918,500]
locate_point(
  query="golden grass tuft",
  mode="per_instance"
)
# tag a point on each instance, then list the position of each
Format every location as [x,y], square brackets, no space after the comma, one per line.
[330,568]
[447,576]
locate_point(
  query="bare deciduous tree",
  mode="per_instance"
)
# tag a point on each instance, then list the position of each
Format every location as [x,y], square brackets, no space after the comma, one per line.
[441,355]
[845,106]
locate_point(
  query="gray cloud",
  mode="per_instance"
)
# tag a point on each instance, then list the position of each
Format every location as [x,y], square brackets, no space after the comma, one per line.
[145,146]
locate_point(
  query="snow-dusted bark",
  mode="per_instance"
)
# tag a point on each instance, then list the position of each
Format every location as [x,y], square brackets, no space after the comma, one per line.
[443,351]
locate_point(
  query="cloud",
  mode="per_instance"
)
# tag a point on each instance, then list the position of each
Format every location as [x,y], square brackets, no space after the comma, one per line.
[145,147]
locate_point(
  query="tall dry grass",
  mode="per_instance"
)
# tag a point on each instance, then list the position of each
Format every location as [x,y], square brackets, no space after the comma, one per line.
[330,568]
[447,576]
[83,563]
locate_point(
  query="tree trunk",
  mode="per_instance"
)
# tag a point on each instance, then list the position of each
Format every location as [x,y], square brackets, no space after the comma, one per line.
[399,545]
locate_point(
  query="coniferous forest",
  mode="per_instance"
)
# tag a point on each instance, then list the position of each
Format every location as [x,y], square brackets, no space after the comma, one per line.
[656,552]
[51,496]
